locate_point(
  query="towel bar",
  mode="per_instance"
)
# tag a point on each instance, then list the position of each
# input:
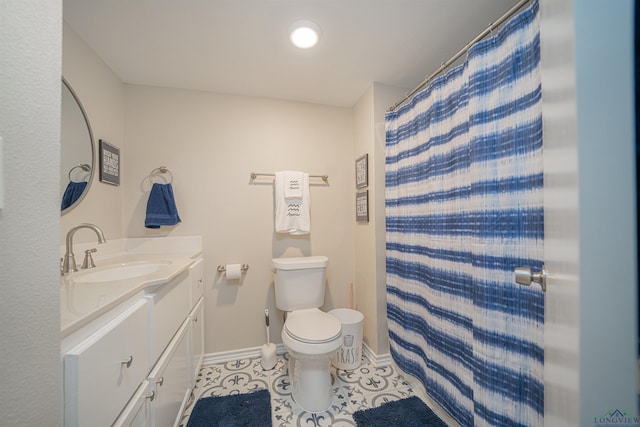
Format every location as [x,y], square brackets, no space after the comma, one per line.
[254,175]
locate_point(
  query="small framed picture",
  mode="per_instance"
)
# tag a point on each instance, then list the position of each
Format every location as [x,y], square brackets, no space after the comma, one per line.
[362,206]
[109,163]
[362,171]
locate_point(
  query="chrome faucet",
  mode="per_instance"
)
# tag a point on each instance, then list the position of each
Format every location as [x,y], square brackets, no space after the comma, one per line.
[69,262]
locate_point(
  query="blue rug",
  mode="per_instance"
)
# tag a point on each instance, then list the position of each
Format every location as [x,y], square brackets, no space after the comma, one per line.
[405,412]
[250,409]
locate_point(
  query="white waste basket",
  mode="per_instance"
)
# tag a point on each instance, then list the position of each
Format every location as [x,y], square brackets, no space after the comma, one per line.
[349,355]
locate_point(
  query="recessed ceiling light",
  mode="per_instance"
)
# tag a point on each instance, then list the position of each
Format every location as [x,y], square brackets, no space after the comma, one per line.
[304,34]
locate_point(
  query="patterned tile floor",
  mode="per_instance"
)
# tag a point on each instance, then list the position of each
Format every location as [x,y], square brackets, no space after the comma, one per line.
[361,388]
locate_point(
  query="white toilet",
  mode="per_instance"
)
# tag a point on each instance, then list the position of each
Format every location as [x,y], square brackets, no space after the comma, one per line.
[310,336]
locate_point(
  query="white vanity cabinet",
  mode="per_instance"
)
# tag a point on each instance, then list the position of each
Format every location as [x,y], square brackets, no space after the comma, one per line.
[134,364]
[196,316]
[196,334]
[170,381]
[196,277]
[172,376]
[168,309]
[102,372]
[137,413]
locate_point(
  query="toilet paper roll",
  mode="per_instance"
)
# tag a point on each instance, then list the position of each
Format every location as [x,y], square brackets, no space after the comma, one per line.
[233,271]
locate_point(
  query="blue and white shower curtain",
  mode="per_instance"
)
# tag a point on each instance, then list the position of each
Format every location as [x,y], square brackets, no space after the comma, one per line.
[464,208]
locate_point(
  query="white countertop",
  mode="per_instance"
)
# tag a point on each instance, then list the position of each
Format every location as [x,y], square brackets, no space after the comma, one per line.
[81,302]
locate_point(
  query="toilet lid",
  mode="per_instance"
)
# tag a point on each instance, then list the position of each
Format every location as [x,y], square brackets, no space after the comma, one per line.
[312,326]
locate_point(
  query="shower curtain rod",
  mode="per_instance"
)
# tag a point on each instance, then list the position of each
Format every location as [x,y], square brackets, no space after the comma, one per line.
[493,26]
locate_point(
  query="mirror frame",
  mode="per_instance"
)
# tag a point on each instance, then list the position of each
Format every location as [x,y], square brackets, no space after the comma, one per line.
[93,148]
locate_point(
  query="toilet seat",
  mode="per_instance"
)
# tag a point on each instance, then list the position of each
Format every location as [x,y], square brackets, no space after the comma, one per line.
[312,326]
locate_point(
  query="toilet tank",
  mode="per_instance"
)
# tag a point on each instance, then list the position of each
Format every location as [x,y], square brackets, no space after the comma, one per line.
[299,282]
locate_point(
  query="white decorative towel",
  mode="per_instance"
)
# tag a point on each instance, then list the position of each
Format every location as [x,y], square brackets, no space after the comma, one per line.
[292,215]
[293,181]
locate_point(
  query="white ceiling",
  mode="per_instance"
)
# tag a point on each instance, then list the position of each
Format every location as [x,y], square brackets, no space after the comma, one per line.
[242,47]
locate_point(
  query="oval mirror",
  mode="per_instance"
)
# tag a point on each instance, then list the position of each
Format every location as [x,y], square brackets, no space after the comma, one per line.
[77,151]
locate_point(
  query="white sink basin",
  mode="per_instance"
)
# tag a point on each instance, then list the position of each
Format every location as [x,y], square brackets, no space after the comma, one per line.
[121,271]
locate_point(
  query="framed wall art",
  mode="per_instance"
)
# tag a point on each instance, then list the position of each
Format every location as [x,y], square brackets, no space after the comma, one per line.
[109,163]
[362,206]
[362,171]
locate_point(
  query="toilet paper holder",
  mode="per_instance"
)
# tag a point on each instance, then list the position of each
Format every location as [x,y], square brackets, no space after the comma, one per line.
[222,268]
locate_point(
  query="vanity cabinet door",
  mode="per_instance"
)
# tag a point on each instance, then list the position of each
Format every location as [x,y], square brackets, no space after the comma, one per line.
[197,340]
[137,413]
[169,307]
[196,277]
[103,371]
[170,381]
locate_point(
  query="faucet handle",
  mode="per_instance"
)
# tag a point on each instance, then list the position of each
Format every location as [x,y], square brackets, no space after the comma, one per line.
[88,259]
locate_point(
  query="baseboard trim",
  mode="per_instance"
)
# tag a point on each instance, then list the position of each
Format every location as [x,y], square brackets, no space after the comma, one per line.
[377,360]
[243,353]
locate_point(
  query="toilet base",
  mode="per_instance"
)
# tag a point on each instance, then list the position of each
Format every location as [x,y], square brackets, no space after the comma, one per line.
[311,382]
[309,370]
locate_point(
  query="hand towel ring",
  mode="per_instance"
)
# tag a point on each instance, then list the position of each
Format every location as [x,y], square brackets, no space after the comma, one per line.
[160,171]
[85,167]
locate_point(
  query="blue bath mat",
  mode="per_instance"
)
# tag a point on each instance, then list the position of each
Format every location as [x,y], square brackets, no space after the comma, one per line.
[250,409]
[407,412]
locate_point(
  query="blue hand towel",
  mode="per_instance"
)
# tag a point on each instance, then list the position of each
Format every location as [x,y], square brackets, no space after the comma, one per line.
[72,193]
[161,207]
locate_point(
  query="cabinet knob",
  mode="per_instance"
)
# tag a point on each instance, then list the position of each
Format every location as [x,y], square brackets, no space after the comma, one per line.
[160,381]
[128,362]
[195,318]
[151,396]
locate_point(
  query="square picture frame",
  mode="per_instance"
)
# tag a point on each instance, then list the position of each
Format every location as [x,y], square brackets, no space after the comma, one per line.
[362,171]
[109,163]
[362,206]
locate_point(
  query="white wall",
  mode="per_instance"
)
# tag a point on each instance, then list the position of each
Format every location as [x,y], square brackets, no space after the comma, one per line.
[606,164]
[370,238]
[211,143]
[590,212]
[102,95]
[30,40]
